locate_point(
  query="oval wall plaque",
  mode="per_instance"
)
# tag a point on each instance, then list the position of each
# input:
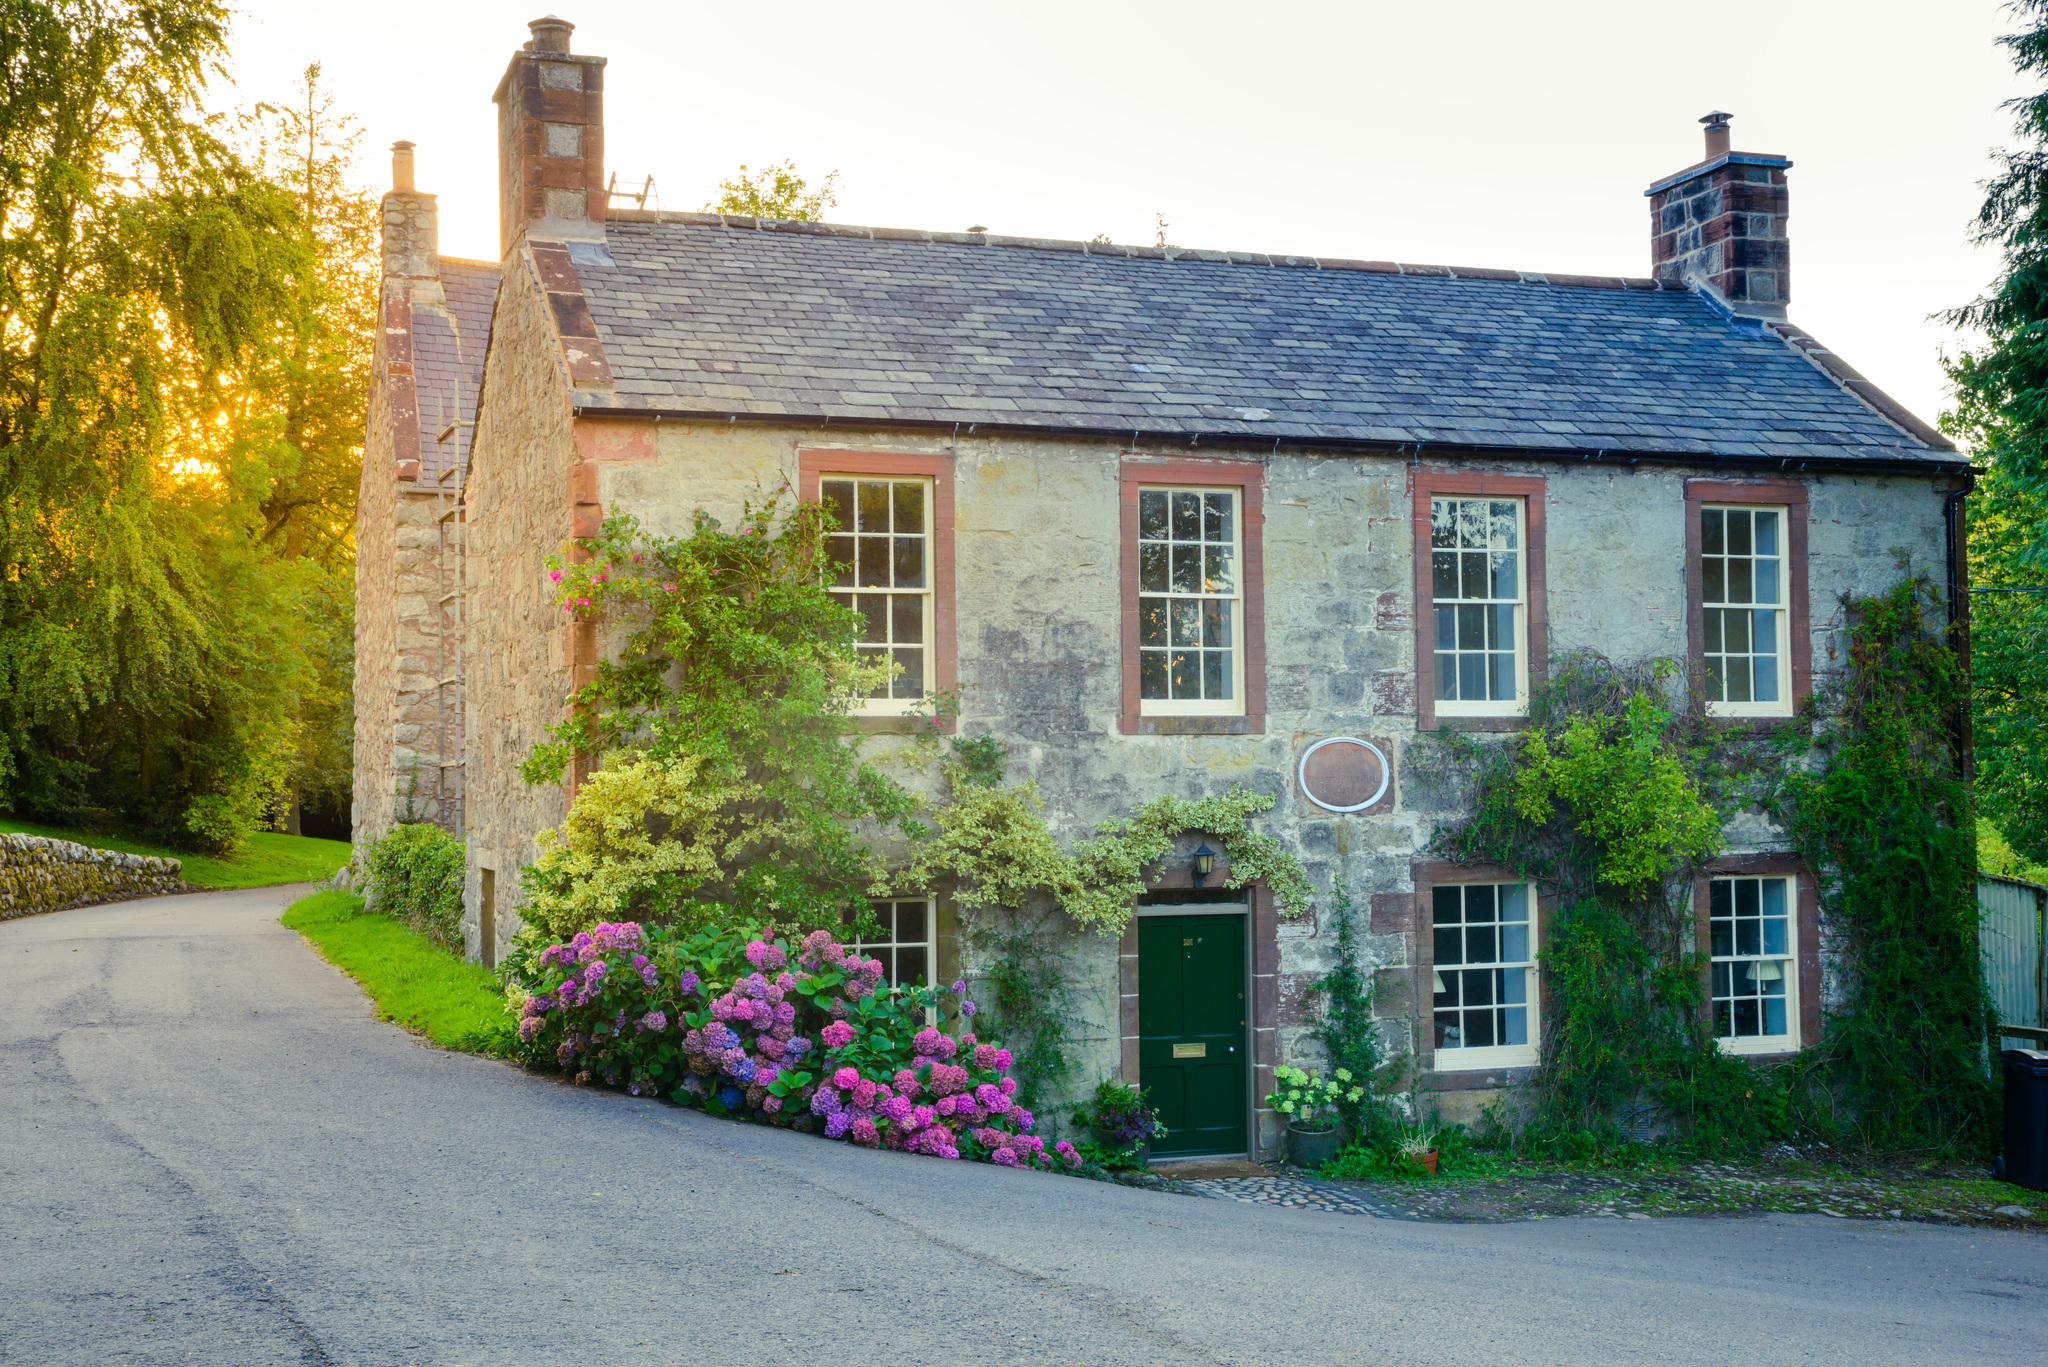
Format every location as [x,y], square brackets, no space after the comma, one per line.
[1344,774]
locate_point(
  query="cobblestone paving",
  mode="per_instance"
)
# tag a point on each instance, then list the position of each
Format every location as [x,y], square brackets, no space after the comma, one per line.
[1300,1193]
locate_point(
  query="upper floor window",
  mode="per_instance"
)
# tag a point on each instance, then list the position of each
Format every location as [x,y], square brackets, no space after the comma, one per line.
[1478,590]
[1743,610]
[1190,604]
[1483,975]
[1752,929]
[881,567]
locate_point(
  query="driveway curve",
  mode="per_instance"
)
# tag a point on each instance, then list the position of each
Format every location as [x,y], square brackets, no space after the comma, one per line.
[211,1152]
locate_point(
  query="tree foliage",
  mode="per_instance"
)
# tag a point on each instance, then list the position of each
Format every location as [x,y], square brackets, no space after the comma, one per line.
[156,294]
[776,191]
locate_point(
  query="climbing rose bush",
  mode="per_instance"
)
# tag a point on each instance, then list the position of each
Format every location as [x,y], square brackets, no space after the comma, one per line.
[744,1024]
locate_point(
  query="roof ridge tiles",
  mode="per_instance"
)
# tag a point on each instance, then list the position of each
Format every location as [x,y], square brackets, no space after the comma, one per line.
[809,228]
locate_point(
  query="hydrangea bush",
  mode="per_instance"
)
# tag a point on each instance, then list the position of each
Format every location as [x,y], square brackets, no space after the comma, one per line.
[742,1023]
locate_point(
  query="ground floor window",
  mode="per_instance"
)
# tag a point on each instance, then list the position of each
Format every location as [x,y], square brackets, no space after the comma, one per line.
[1483,979]
[905,941]
[1752,927]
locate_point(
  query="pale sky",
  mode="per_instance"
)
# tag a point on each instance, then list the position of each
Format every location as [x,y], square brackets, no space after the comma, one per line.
[1488,133]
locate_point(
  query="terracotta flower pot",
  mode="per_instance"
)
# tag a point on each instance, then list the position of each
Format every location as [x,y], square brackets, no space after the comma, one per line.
[1425,1160]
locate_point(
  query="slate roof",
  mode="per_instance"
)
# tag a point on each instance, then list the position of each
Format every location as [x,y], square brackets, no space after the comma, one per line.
[703,315]
[448,363]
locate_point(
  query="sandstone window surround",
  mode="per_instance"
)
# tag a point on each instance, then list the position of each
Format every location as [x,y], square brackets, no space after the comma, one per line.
[1463,632]
[1193,597]
[1462,1068]
[1484,1004]
[1758,921]
[1725,578]
[937,651]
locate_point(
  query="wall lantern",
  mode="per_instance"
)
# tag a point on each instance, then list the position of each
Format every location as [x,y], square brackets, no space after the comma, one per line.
[1205,862]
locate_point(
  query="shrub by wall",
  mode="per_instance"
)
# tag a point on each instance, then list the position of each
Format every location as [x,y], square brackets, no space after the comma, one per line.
[414,875]
[37,874]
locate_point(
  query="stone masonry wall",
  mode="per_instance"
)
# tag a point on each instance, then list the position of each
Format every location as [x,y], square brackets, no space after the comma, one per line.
[49,875]
[1037,601]
[517,653]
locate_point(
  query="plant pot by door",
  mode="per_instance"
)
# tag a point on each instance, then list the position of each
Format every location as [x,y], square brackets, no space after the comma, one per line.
[1310,1148]
[1426,1160]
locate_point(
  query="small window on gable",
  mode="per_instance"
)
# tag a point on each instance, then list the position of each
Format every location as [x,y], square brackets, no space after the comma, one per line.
[1753,928]
[1190,602]
[1483,975]
[1478,566]
[882,568]
[1746,628]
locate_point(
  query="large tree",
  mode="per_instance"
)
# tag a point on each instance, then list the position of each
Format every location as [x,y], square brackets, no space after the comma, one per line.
[161,366]
[2002,415]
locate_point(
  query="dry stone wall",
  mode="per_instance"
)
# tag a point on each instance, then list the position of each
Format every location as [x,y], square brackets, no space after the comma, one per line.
[37,874]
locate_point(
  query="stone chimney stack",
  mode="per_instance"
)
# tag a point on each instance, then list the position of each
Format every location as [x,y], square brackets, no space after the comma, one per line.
[411,230]
[1721,224]
[551,140]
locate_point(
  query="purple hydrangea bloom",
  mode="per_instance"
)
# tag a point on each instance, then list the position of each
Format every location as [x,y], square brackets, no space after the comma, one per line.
[797,1047]
[960,986]
[656,1021]
[968,1009]
[689,985]
[838,1123]
[864,1133]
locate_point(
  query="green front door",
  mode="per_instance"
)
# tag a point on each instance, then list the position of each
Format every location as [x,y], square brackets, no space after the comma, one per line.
[1192,1044]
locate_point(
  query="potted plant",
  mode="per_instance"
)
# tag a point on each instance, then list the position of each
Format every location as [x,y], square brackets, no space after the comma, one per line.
[1124,1124]
[1309,1101]
[1419,1147]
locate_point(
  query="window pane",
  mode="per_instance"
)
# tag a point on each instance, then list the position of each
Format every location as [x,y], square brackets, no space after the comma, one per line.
[1443,523]
[1443,574]
[1475,574]
[1152,568]
[1774,1016]
[1737,681]
[1774,935]
[1722,936]
[909,508]
[1218,573]
[1735,631]
[906,619]
[837,495]
[874,656]
[1187,569]
[1447,677]
[1504,525]
[910,968]
[1152,674]
[1766,581]
[1766,672]
[1185,668]
[910,682]
[1446,628]
[1514,986]
[1478,989]
[874,562]
[1472,628]
[1746,938]
[874,612]
[1738,533]
[1505,584]
[1152,514]
[1216,623]
[1514,902]
[1711,539]
[1479,1029]
[1717,689]
[1746,897]
[1771,897]
[1216,517]
[1503,681]
[1187,621]
[1187,517]
[1514,945]
[1213,662]
[1152,621]
[1449,948]
[909,562]
[874,507]
[1500,627]
[1515,1022]
[1712,617]
[1747,1018]
[1481,943]
[1472,524]
[1445,906]
[1740,590]
[1714,588]
[840,550]
[1472,677]
[1479,902]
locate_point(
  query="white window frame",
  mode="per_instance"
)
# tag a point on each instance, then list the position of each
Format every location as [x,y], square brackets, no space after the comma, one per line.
[1782,609]
[897,707]
[1457,1059]
[1233,706]
[1485,707]
[1787,962]
[930,943]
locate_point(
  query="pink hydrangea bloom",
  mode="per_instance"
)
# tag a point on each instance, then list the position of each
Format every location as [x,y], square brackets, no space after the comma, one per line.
[847,1078]
[864,1133]
[837,1035]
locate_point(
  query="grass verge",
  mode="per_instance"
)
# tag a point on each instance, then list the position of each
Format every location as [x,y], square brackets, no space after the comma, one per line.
[413,982]
[266,859]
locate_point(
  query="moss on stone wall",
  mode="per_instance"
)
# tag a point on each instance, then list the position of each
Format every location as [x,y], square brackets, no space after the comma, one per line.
[49,875]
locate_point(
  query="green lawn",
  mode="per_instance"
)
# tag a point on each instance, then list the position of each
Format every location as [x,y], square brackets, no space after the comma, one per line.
[414,983]
[267,858]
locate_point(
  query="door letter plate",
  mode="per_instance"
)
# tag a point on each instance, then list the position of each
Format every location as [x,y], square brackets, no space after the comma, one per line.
[1191,1051]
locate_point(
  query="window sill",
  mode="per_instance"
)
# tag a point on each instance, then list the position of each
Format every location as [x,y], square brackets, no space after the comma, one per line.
[1776,1047]
[1141,725]
[1480,1079]
[1495,722]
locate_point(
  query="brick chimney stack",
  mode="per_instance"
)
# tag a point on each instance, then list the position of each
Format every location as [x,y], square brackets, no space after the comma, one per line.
[550,140]
[1721,224]
[410,223]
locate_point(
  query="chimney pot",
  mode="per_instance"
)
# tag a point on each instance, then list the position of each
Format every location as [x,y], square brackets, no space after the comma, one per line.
[550,34]
[1717,134]
[401,166]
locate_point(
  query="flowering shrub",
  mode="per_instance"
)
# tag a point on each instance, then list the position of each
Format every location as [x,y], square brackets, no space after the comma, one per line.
[1310,1098]
[745,1024]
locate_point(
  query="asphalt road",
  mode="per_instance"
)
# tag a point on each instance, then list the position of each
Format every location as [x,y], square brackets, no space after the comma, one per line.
[211,1153]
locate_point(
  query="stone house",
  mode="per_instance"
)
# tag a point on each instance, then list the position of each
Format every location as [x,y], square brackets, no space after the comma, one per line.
[1168,520]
